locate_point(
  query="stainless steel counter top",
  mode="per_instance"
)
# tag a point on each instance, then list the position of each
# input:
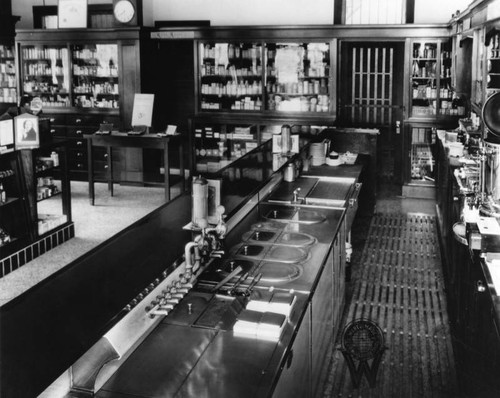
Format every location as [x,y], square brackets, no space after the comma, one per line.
[218,363]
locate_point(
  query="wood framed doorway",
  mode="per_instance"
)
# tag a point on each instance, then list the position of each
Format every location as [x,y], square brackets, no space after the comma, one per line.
[371,85]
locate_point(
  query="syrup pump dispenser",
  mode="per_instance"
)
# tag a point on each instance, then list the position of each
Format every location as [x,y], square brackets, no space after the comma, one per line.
[199,209]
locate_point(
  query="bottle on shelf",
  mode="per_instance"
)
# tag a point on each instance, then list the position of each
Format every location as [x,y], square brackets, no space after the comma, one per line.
[3,194]
[55,158]
[415,69]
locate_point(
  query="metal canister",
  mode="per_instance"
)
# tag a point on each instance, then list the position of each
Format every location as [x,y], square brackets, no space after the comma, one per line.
[289,174]
[286,140]
[199,209]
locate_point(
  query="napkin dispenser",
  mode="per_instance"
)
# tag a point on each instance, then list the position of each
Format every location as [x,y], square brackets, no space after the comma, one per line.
[489,230]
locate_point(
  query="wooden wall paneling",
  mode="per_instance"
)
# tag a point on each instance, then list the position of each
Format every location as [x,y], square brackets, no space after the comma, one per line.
[132,159]
[29,186]
[353,83]
[391,83]
[334,73]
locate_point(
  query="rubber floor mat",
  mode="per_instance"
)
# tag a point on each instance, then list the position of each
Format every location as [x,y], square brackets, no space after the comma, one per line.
[398,284]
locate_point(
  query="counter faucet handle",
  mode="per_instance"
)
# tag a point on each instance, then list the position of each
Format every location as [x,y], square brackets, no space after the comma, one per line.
[296,194]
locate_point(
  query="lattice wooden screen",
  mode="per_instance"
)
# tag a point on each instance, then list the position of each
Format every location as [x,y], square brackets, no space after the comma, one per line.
[372,85]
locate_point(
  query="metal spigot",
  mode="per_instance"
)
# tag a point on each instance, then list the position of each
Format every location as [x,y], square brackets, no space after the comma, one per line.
[215,236]
[296,195]
[192,256]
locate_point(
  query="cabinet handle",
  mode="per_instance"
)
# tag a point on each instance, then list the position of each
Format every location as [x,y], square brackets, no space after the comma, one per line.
[79,165]
[78,120]
[79,143]
[105,156]
[52,131]
[79,132]
[52,119]
[480,287]
[106,166]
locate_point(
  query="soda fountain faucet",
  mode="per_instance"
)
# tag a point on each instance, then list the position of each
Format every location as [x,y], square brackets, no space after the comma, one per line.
[296,195]
[192,257]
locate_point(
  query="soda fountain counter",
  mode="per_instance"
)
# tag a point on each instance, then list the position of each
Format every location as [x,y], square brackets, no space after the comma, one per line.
[470,265]
[288,247]
[131,319]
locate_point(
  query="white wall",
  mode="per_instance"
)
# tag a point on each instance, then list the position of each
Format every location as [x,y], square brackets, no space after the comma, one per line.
[247,12]
[269,12]
[250,12]
[438,11]
[24,9]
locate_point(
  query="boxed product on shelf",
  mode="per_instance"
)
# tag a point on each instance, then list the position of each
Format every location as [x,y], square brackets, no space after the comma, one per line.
[4,237]
[201,167]
[213,167]
[47,222]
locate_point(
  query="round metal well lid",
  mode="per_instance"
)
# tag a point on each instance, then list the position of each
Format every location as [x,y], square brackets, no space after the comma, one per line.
[273,272]
[286,254]
[296,239]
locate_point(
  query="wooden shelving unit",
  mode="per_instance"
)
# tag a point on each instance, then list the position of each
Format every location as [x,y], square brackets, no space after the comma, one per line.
[85,77]
[35,223]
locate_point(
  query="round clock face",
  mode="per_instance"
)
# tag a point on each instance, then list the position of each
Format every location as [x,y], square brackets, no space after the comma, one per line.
[124,11]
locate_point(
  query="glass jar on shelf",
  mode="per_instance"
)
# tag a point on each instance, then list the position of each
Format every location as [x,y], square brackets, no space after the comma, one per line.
[297,77]
[230,76]
[8,91]
[45,73]
[95,75]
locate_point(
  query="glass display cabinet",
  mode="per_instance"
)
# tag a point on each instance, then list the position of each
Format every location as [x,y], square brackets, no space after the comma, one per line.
[85,77]
[8,86]
[95,75]
[47,181]
[432,94]
[265,77]
[420,169]
[14,224]
[45,74]
[217,145]
[230,76]
[247,90]
[297,77]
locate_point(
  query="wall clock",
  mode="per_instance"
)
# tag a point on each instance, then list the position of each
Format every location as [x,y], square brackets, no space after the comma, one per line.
[127,12]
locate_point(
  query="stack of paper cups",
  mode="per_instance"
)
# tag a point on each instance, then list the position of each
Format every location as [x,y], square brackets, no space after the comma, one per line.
[317,151]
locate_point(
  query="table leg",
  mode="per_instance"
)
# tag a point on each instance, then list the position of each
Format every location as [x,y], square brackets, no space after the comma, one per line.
[110,169]
[166,166]
[90,171]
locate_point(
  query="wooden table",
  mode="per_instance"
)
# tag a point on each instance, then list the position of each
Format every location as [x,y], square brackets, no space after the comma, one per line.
[123,140]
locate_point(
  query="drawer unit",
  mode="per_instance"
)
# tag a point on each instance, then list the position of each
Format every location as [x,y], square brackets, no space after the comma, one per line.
[73,127]
[92,120]
[57,124]
[76,127]
[79,131]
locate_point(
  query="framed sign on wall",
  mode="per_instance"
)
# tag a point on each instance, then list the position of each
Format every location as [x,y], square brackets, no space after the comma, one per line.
[72,13]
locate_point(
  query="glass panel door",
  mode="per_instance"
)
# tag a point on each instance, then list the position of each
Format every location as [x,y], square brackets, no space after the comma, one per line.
[7,75]
[422,155]
[297,77]
[45,73]
[231,76]
[95,75]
